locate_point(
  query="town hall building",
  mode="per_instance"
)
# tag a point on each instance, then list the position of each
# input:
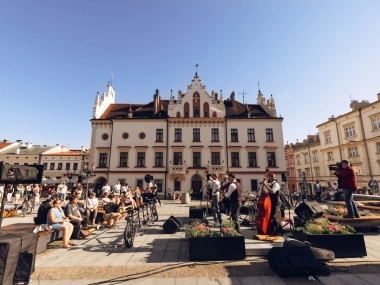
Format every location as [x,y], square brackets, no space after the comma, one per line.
[180,139]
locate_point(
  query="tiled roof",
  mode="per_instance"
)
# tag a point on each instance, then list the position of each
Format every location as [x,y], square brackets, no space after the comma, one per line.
[234,109]
[35,149]
[66,153]
[4,144]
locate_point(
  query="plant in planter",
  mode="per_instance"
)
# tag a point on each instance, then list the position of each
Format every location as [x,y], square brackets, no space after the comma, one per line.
[208,244]
[340,211]
[333,236]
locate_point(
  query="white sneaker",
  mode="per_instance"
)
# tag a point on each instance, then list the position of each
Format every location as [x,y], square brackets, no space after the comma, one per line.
[217,224]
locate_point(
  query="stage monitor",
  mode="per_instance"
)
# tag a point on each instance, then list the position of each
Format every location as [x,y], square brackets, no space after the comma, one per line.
[24,174]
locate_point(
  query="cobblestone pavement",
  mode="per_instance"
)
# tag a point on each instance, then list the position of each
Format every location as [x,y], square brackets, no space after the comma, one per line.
[158,258]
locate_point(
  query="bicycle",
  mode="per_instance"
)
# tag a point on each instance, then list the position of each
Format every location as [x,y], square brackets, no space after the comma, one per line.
[26,206]
[135,223]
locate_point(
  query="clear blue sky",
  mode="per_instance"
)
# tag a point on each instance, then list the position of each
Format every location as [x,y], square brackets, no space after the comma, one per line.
[55,56]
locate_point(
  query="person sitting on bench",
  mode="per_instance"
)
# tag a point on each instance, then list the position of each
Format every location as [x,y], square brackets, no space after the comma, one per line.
[92,207]
[112,214]
[43,211]
[76,219]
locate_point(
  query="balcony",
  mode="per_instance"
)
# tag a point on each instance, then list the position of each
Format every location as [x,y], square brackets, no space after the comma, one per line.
[220,169]
[177,169]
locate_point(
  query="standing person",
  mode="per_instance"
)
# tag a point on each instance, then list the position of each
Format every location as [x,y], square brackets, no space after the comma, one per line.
[214,185]
[2,190]
[318,190]
[124,189]
[273,189]
[106,189]
[19,191]
[62,191]
[234,194]
[224,186]
[117,190]
[330,191]
[9,192]
[347,181]
[155,194]
[36,194]
[149,188]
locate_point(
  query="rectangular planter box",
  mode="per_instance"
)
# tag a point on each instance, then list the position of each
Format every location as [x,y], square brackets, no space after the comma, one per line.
[217,248]
[195,213]
[343,246]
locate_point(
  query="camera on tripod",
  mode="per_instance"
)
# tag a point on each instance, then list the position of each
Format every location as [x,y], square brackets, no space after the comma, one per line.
[335,166]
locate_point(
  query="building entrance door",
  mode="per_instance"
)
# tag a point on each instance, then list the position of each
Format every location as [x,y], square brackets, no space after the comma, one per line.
[196,185]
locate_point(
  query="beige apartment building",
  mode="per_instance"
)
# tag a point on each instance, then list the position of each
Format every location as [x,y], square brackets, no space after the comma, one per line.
[354,136]
[182,138]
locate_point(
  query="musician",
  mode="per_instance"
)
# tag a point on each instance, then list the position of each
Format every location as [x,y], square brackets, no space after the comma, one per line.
[234,193]
[224,186]
[271,186]
[214,185]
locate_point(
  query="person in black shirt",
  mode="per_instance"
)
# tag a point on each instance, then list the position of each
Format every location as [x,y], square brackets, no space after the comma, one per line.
[43,211]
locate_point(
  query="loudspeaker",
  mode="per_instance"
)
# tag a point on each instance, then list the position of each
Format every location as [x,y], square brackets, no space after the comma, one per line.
[284,177]
[293,261]
[80,179]
[308,210]
[171,226]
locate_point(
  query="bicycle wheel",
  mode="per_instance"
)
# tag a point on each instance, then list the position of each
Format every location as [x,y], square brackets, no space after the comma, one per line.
[154,214]
[129,234]
[28,207]
[23,209]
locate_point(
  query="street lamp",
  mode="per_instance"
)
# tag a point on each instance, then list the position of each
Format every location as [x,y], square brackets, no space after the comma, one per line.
[70,176]
[88,173]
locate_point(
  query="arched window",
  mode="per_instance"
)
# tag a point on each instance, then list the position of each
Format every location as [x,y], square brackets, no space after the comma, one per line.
[178,115]
[214,114]
[206,111]
[186,109]
[196,105]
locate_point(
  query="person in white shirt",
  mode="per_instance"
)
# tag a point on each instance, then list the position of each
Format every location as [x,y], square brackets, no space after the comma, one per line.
[273,188]
[62,191]
[92,207]
[1,190]
[106,189]
[149,189]
[124,188]
[117,188]
[215,186]
[234,194]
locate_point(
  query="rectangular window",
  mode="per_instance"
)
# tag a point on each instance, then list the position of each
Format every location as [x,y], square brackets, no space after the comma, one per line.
[75,166]
[177,160]
[196,113]
[235,159]
[67,166]
[196,135]
[25,163]
[353,151]
[254,185]
[299,172]
[376,123]
[378,147]
[159,159]
[45,166]
[269,135]
[16,163]
[330,156]
[234,135]
[328,138]
[350,131]
[298,159]
[271,159]
[196,159]
[123,161]
[158,182]
[315,156]
[52,166]
[159,135]
[252,162]
[140,183]
[251,135]
[60,165]
[307,170]
[317,171]
[215,135]
[140,159]
[215,158]
[177,185]
[103,160]
[177,135]
[306,158]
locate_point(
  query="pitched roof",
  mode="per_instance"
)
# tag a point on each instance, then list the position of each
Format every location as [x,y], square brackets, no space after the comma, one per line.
[234,109]
[4,144]
[66,153]
[35,149]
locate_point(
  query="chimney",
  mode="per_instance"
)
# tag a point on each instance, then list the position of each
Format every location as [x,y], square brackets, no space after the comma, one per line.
[17,150]
[29,145]
[378,96]
[57,144]
[82,148]
[232,97]
[216,96]
[156,102]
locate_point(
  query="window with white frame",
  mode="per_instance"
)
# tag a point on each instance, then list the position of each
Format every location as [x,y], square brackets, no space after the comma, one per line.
[353,151]
[330,156]
[298,159]
[307,171]
[317,173]
[376,123]
[378,147]
[327,138]
[349,131]
[315,156]
[305,158]
[299,172]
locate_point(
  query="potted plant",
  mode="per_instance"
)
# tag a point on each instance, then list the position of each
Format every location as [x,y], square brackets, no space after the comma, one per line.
[208,244]
[339,238]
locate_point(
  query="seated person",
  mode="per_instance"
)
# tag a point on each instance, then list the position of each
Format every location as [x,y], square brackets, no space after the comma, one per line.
[129,201]
[43,211]
[76,219]
[112,214]
[105,199]
[92,207]
[57,220]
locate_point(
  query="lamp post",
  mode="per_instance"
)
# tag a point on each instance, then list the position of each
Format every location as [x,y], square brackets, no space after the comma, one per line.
[70,176]
[88,173]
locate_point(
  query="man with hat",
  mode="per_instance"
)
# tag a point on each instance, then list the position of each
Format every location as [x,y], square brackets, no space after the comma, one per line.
[224,186]
[273,188]
[347,181]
